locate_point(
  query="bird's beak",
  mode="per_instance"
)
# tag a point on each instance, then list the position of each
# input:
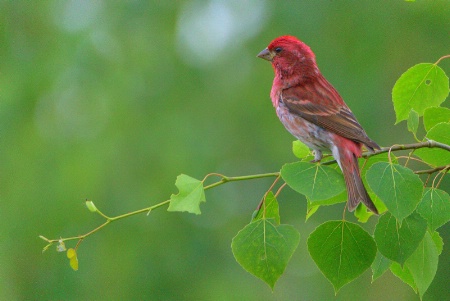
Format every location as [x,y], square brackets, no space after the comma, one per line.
[266,54]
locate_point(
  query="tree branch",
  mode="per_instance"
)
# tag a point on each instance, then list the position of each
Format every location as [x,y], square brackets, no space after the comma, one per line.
[224,179]
[428,144]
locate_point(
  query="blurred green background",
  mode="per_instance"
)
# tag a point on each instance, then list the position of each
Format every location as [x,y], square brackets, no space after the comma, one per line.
[111,100]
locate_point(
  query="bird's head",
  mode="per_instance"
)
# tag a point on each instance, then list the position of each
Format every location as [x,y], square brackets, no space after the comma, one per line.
[289,56]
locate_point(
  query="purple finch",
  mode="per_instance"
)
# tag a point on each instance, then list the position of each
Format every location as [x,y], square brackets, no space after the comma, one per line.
[313,111]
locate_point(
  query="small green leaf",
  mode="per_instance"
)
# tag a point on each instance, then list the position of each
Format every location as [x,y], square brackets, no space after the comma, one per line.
[269,209]
[380,265]
[362,214]
[91,206]
[435,207]
[435,156]
[317,182]
[420,87]
[399,242]
[310,210]
[342,251]
[264,248]
[438,241]
[191,194]
[340,198]
[413,122]
[403,274]
[435,115]
[300,150]
[312,207]
[398,187]
[423,264]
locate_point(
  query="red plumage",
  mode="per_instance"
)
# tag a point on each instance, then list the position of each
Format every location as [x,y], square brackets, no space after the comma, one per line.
[313,111]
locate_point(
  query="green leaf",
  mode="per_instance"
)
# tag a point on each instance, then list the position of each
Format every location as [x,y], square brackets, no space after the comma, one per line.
[423,264]
[91,206]
[310,210]
[317,182]
[434,156]
[365,165]
[300,149]
[189,197]
[403,274]
[438,241]
[397,186]
[312,207]
[435,115]
[342,251]
[435,207]
[379,266]
[269,209]
[413,122]
[264,248]
[399,242]
[362,214]
[420,87]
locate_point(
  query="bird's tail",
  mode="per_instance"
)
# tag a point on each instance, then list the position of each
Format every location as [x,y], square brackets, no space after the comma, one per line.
[355,188]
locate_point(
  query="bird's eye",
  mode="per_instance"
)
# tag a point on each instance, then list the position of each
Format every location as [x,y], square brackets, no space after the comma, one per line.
[278,49]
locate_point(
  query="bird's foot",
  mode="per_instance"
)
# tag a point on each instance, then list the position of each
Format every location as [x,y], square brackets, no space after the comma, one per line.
[317,156]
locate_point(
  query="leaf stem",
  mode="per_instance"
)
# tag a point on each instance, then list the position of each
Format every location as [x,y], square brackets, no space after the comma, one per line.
[440,59]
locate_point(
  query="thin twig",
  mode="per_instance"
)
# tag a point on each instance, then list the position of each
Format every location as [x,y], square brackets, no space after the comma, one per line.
[433,170]
[242,178]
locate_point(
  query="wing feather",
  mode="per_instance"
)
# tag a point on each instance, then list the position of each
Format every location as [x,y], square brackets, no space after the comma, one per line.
[319,103]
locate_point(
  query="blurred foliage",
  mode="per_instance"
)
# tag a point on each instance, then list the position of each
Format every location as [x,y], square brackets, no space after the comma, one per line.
[112,100]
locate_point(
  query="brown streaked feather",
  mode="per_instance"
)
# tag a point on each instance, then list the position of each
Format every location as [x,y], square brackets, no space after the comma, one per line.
[318,102]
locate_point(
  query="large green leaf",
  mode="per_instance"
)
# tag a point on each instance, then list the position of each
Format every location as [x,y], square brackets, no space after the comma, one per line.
[399,242]
[189,197]
[420,87]
[423,263]
[342,251]
[435,156]
[435,115]
[317,182]
[263,247]
[435,207]
[397,186]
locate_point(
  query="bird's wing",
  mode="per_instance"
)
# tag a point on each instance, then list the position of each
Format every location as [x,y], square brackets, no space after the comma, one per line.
[321,104]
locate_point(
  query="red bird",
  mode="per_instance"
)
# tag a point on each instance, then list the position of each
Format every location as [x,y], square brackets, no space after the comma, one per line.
[313,111]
